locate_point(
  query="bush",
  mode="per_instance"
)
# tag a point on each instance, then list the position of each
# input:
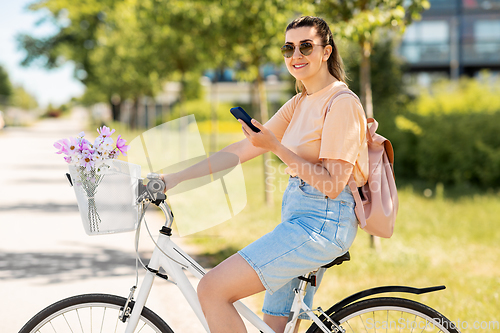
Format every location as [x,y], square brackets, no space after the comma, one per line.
[451,134]
[202,110]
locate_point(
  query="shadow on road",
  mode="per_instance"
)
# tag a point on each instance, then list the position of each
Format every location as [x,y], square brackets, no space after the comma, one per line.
[62,166]
[61,267]
[50,207]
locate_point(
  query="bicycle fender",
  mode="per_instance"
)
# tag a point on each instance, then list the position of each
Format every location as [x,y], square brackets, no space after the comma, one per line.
[380,290]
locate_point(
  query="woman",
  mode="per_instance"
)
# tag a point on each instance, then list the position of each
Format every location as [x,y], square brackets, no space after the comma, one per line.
[321,149]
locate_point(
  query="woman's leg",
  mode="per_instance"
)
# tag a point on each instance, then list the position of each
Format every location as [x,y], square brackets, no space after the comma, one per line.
[228,282]
[278,323]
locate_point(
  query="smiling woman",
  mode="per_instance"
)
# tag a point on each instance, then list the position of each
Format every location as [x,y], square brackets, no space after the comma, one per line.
[322,143]
[314,38]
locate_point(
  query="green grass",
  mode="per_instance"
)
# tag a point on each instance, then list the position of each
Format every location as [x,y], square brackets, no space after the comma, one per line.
[450,238]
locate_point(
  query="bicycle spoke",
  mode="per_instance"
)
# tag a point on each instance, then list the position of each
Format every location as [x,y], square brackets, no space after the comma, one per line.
[139,331]
[52,327]
[426,322]
[116,324]
[350,326]
[387,319]
[67,323]
[102,322]
[400,326]
[363,322]
[79,320]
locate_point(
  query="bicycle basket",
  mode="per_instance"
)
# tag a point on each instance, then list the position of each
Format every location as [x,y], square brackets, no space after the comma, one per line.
[107,198]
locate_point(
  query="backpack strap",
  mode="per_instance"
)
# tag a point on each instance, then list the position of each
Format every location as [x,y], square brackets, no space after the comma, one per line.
[351,182]
[337,95]
[360,214]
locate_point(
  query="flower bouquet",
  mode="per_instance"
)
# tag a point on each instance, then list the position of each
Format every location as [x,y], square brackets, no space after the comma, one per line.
[89,163]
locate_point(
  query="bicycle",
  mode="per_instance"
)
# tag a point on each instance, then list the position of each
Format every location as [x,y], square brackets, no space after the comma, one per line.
[109,313]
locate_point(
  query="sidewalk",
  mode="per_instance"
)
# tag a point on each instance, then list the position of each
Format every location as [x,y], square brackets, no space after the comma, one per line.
[45,254]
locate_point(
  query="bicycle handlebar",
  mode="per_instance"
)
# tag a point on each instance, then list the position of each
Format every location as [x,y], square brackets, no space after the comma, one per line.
[153,192]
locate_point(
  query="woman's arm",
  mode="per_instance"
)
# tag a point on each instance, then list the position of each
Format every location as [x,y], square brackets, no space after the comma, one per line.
[228,157]
[330,177]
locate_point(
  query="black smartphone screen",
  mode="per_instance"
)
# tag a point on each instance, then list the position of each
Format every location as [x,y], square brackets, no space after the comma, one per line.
[239,113]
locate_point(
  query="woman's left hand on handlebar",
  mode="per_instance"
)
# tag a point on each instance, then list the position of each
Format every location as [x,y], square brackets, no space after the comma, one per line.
[170,181]
[264,139]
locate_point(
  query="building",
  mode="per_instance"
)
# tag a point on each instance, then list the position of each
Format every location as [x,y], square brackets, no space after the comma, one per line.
[456,37]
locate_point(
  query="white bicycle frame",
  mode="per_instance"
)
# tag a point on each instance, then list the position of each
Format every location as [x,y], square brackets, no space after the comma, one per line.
[174,261]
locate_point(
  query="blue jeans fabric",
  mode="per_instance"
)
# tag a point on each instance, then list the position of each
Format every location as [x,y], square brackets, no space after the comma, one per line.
[314,230]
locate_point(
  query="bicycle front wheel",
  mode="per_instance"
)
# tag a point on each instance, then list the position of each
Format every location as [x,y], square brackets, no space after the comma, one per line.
[91,313]
[388,314]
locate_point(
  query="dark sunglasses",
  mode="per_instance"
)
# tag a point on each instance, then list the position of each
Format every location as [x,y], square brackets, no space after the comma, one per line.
[305,48]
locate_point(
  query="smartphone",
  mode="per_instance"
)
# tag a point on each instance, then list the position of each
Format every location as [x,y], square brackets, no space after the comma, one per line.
[239,113]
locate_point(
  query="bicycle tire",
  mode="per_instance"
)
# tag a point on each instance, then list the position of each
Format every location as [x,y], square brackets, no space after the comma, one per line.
[387,314]
[91,313]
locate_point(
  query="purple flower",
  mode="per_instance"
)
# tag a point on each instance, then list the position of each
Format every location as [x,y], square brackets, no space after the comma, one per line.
[72,146]
[85,145]
[91,155]
[98,141]
[120,144]
[105,131]
[87,161]
[62,145]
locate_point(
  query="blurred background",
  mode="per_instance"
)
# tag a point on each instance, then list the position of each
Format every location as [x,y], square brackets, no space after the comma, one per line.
[428,71]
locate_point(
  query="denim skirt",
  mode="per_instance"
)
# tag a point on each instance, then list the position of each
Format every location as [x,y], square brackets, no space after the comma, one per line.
[314,230]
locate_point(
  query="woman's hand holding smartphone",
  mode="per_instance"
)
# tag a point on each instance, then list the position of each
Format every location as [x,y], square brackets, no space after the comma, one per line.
[239,113]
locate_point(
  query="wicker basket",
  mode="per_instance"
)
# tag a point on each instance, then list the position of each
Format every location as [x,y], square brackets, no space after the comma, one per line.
[107,199]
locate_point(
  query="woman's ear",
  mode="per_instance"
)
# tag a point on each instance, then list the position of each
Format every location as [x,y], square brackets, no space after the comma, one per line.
[327,51]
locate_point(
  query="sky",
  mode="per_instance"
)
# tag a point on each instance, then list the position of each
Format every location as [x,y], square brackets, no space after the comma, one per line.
[54,86]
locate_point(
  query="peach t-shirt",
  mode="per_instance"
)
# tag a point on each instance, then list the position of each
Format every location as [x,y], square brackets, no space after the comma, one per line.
[301,126]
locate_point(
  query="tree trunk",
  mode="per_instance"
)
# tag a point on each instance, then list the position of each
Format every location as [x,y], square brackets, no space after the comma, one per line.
[116,105]
[133,113]
[365,78]
[214,99]
[116,111]
[366,100]
[151,103]
[141,113]
[264,117]
[183,121]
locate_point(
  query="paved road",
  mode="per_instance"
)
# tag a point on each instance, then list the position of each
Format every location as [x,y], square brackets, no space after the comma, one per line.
[45,254]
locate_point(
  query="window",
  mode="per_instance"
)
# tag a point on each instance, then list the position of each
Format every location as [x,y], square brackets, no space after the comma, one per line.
[427,41]
[486,40]
[487,30]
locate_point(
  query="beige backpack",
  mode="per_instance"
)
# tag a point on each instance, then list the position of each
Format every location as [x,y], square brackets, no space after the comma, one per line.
[376,201]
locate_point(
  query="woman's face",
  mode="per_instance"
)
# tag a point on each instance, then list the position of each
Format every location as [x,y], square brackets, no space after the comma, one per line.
[306,67]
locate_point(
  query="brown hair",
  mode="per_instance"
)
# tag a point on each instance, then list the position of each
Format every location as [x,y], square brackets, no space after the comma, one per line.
[334,63]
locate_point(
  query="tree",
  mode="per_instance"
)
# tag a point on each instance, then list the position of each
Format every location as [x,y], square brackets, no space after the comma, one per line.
[5,87]
[22,99]
[254,32]
[387,70]
[361,21]
[102,39]
[123,64]
[179,35]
